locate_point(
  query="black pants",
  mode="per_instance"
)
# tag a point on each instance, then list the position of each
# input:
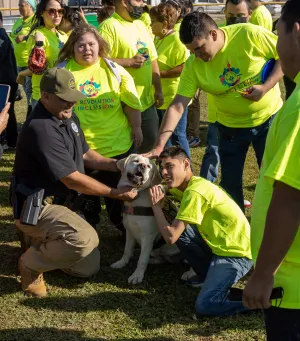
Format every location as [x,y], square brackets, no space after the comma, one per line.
[92,207]
[11,131]
[282,324]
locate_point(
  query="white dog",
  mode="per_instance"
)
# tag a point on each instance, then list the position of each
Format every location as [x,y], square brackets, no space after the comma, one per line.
[138,219]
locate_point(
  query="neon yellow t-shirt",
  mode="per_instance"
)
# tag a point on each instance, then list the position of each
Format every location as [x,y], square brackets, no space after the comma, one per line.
[261,16]
[220,221]
[21,28]
[236,66]
[105,126]
[126,39]
[54,41]
[177,26]
[281,162]
[211,109]
[171,53]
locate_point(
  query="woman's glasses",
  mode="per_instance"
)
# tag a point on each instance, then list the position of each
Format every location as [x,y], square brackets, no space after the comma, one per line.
[54,11]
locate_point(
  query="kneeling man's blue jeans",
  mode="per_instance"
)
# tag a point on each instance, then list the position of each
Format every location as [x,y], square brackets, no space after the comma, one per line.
[218,274]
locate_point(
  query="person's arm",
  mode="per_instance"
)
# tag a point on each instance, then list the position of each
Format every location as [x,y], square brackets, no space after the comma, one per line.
[169,123]
[158,95]
[93,160]
[282,225]
[135,62]
[135,119]
[256,92]
[82,183]
[4,117]
[172,73]
[170,233]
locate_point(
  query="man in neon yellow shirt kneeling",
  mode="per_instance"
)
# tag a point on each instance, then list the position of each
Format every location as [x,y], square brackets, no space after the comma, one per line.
[216,243]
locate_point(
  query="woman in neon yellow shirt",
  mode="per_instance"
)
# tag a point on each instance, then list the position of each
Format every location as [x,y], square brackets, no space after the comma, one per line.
[110,114]
[171,57]
[44,34]
[18,36]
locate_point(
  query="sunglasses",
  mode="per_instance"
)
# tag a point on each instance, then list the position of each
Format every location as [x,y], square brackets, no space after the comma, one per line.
[53,11]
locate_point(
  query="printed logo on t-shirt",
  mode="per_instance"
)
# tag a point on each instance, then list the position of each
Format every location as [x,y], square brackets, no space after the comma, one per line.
[74,127]
[143,50]
[89,88]
[231,76]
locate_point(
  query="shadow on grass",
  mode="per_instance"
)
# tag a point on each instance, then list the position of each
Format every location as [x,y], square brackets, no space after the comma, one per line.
[50,334]
[8,269]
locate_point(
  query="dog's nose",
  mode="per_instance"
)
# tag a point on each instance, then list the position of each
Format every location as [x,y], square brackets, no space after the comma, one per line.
[142,166]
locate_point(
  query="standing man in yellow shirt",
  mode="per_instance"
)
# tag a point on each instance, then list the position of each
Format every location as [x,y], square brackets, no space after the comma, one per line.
[132,47]
[245,106]
[261,16]
[275,223]
[210,230]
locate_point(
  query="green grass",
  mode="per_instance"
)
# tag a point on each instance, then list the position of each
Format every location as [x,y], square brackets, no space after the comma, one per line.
[106,308]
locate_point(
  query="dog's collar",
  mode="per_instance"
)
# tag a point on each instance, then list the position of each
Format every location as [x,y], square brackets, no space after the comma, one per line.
[138,210]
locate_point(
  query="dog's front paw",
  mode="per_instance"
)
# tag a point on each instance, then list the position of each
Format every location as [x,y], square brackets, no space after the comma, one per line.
[119,264]
[136,277]
[188,274]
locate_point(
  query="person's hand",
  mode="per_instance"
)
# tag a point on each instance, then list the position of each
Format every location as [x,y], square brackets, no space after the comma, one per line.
[125,193]
[255,93]
[154,153]
[258,291]
[20,38]
[20,79]
[4,117]
[137,61]
[156,195]
[137,136]
[159,99]
[39,37]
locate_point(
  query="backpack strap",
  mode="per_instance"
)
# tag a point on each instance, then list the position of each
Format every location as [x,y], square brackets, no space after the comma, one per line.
[113,69]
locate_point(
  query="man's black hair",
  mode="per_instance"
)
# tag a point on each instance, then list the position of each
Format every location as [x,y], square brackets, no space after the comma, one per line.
[174,152]
[290,14]
[1,18]
[196,24]
[237,2]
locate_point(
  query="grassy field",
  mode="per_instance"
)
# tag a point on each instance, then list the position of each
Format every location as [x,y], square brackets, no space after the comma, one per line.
[106,308]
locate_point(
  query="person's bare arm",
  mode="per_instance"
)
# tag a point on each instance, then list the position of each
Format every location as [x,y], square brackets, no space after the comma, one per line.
[172,232]
[256,92]
[135,120]
[82,183]
[135,62]
[169,123]
[4,117]
[172,73]
[158,95]
[282,225]
[93,160]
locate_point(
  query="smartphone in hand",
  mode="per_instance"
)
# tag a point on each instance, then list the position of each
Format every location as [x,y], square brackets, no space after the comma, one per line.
[4,95]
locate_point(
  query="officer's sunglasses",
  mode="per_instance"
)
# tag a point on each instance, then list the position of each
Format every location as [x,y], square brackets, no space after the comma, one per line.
[54,11]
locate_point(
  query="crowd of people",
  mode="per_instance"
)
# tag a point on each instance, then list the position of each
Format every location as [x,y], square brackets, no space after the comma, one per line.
[95,96]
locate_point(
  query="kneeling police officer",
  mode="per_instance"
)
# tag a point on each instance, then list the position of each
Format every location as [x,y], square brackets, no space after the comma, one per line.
[50,160]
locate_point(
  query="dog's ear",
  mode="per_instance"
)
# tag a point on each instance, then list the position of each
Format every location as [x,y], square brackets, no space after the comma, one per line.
[121,164]
[156,178]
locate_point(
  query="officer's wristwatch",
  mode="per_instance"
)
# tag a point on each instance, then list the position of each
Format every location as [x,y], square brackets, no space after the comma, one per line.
[39,43]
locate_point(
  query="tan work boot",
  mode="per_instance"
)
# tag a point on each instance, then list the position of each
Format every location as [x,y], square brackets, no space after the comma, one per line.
[32,282]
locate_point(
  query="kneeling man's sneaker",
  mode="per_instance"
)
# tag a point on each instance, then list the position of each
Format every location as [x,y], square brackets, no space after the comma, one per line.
[194,282]
[32,282]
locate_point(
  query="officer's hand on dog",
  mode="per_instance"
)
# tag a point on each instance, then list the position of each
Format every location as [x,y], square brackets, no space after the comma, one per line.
[125,193]
[156,195]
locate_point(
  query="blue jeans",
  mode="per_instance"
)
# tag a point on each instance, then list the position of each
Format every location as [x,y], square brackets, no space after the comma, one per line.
[211,159]
[179,135]
[233,147]
[218,273]
[27,85]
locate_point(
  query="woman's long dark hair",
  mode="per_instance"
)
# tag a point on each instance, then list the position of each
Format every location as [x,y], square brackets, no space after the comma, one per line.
[40,8]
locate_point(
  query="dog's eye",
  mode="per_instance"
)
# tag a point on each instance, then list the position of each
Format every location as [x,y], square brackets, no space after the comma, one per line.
[148,166]
[135,161]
